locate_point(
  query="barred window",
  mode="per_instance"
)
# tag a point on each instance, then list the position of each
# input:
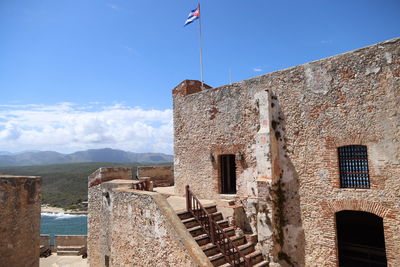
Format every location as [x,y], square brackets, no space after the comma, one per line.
[353,166]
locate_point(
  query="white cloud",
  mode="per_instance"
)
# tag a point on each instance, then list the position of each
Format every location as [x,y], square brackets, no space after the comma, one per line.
[257,69]
[67,127]
[131,50]
[326,41]
[115,7]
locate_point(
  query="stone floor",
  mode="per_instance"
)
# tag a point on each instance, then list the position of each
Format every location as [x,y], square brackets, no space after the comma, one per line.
[178,203]
[63,261]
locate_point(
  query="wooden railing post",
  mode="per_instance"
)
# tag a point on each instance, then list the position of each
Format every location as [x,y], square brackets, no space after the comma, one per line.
[216,234]
[212,228]
[188,199]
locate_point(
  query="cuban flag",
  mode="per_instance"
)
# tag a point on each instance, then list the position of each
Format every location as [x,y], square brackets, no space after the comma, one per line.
[193,15]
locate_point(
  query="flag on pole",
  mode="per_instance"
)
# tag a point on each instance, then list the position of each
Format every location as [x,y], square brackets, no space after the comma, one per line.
[193,15]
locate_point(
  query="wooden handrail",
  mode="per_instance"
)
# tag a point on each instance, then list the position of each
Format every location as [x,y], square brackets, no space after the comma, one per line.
[217,235]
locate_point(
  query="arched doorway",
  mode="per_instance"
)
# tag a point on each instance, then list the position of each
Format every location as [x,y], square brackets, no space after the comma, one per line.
[361,241]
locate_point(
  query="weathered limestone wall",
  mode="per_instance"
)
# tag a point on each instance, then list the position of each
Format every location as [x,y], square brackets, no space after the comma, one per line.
[135,228]
[70,240]
[214,122]
[349,99]
[159,175]
[19,220]
[147,232]
[98,214]
[106,222]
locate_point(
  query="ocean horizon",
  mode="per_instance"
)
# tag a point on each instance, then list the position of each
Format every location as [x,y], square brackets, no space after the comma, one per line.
[62,224]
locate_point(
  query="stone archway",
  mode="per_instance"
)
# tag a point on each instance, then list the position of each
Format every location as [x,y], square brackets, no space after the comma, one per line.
[360,238]
[390,218]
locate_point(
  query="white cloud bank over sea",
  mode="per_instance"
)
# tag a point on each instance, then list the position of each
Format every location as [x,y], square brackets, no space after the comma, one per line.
[68,127]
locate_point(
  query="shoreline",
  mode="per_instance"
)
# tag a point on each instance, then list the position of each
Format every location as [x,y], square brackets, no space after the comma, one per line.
[50,209]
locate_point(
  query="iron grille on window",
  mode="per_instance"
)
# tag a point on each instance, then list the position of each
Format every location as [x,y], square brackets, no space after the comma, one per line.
[353,166]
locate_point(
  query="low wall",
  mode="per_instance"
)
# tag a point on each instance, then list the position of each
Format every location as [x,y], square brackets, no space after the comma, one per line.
[159,175]
[19,220]
[69,240]
[45,240]
[101,183]
[145,231]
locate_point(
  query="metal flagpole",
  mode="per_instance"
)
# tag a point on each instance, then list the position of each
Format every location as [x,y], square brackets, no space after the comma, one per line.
[201,49]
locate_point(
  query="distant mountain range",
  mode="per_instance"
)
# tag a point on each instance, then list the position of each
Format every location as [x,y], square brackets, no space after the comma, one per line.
[91,155]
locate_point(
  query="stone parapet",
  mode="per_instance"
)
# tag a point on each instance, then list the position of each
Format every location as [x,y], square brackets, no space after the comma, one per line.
[159,175]
[70,240]
[188,87]
[19,220]
[147,232]
[100,184]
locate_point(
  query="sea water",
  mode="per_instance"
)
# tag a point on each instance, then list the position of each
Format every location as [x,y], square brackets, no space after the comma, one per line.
[62,224]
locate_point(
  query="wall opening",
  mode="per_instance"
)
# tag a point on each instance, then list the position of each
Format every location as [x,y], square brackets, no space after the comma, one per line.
[228,174]
[107,261]
[361,240]
[353,166]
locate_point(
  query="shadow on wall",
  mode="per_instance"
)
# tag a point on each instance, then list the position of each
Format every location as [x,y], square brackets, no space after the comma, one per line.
[289,239]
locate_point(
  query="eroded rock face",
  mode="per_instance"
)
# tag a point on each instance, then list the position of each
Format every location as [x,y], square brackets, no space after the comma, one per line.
[19,220]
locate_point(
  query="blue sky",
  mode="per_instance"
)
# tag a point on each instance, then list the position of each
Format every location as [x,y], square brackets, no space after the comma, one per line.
[77,60]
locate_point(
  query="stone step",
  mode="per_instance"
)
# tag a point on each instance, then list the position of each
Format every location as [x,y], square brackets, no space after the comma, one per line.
[69,248]
[217,259]
[196,231]
[229,231]
[245,249]
[211,249]
[256,259]
[186,214]
[67,253]
[192,222]
[203,240]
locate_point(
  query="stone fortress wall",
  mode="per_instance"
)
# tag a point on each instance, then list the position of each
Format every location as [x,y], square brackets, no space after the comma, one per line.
[160,175]
[127,227]
[287,126]
[19,220]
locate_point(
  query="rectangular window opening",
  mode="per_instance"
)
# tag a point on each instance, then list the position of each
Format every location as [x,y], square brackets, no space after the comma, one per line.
[353,166]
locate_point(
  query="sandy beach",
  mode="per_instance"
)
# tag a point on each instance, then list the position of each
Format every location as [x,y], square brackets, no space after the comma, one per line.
[50,209]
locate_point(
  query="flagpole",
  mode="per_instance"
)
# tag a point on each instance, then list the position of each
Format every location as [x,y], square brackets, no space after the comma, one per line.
[201,50]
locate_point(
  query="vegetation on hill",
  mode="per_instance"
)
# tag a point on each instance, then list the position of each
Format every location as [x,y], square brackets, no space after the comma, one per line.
[30,158]
[64,185]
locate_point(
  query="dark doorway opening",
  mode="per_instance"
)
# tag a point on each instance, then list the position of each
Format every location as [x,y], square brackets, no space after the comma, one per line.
[361,240]
[228,174]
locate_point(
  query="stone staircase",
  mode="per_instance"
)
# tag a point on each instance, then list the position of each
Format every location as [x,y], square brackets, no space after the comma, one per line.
[211,250]
[69,250]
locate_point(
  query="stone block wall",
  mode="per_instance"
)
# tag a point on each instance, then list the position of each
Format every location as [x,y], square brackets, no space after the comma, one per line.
[147,232]
[127,227]
[19,220]
[289,178]
[100,183]
[159,175]
[210,123]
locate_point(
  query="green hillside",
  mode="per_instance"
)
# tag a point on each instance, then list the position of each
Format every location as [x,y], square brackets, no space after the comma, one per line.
[64,185]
